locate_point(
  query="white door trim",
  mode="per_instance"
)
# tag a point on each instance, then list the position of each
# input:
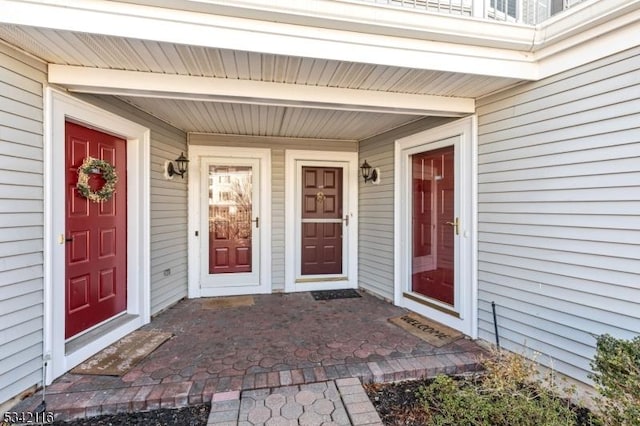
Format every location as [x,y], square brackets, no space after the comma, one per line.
[196,155]
[294,160]
[60,107]
[464,130]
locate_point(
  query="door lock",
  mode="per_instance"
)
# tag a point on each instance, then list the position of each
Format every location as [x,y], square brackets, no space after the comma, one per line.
[456,225]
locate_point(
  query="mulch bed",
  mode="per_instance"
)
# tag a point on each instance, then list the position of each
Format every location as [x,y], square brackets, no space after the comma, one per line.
[196,415]
[396,403]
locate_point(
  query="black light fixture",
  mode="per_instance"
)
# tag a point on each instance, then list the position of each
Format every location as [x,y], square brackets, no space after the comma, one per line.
[369,174]
[180,168]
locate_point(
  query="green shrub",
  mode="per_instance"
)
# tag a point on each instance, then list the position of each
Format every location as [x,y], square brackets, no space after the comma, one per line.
[616,367]
[508,394]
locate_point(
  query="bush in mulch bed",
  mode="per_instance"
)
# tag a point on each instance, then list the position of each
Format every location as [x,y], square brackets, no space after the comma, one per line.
[509,392]
[616,374]
[196,415]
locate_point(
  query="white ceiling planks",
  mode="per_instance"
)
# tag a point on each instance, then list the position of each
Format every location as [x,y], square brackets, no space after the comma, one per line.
[91,50]
[260,120]
[445,65]
[126,54]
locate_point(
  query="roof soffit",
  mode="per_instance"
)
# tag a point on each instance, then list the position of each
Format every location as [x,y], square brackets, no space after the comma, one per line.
[439,50]
[554,47]
[341,30]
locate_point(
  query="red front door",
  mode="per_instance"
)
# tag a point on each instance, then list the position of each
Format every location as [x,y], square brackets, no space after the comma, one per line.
[433,224]
[321,220]
[96,233]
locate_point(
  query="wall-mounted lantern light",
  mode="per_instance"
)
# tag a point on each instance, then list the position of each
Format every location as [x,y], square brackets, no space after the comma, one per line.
[369,174]
[180,168]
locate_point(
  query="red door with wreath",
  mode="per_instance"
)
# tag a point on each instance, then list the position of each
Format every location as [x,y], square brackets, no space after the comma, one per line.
[96,231]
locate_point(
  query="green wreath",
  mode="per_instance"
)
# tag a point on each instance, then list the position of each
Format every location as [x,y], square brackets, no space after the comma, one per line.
[108,172]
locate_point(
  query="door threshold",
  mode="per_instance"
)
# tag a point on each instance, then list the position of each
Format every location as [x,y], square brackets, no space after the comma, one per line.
[320,279]
[84,339]
[425,302]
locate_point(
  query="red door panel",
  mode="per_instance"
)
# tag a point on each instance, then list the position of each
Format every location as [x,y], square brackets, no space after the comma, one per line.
[433,238]
[321,220]
[96,249]
[230,219]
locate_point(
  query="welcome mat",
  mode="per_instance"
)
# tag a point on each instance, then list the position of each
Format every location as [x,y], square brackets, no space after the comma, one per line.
[335,294]
[120,357]
[430,331]
[216,303]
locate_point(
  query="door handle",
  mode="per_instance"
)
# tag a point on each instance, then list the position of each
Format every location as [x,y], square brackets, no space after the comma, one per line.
[346,220]
[62,239]
[256,221]
[456,225]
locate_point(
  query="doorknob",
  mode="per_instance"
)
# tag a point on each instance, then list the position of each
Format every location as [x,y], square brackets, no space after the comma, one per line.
[62,239]
[456,225]
[256,221]
[346,220]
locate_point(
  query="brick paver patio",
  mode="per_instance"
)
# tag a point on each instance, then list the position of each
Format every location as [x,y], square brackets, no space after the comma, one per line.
[282,340]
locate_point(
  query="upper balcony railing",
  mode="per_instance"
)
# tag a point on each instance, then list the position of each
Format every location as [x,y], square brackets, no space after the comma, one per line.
[528,12]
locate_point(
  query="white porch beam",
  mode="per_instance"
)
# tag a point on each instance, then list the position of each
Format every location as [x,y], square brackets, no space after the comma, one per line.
[449,48]
[146,84]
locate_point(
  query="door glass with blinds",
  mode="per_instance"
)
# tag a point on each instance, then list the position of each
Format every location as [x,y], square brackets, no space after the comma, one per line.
[230,244]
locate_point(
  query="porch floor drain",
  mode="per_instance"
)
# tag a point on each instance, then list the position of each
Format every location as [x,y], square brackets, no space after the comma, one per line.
[335,294]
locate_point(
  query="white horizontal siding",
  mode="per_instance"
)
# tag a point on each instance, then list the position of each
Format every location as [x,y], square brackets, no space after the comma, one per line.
[376,209]
[21,222]
[168,205]
[559,211]
[278,147]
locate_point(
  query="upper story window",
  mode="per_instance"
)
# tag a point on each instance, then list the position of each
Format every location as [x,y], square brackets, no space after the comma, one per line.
[506,7]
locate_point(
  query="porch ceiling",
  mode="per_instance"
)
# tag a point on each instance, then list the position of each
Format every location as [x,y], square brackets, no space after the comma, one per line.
[109,52]
[318,113]
[266,120]
[201,85]
[255,66]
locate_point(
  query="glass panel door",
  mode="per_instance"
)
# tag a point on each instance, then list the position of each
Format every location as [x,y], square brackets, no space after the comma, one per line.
[230,219]
[230,222]
[433,224]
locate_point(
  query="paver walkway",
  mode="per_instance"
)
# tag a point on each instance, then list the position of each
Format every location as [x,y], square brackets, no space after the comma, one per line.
[282,340]
[342,402]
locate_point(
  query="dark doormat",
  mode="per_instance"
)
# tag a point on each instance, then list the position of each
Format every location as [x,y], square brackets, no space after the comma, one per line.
[335,294]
